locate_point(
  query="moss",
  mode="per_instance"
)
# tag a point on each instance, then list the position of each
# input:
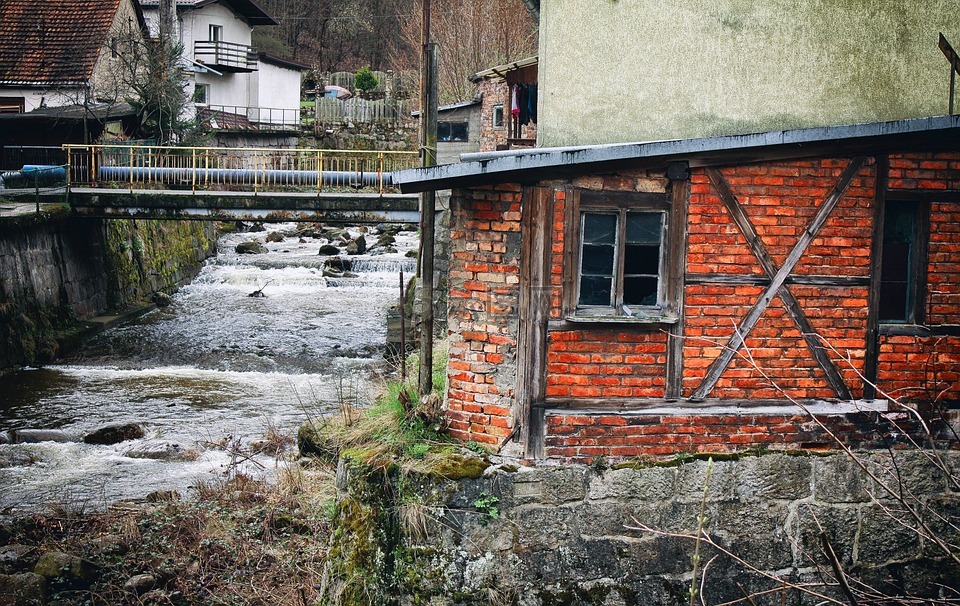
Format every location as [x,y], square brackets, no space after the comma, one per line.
[680,459]
[454,466]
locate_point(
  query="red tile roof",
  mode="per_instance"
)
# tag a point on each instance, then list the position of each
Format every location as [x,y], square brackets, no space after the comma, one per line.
[52,41]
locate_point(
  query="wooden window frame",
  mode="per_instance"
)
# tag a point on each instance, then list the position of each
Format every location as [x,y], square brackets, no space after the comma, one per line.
[917,289]
[498,125]
[215,32]
[620,203]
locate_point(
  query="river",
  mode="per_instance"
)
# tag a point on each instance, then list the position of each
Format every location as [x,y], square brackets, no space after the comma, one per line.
[207,377]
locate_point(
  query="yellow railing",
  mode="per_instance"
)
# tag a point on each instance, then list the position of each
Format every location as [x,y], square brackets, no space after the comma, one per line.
[233,169]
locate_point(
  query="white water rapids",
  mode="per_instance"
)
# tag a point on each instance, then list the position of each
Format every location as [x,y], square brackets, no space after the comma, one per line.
[216,367]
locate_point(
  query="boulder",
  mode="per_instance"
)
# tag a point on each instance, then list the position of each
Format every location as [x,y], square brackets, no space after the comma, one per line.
[66,569]
[161,299]
[257,227]
[162,451]
[114,434]
[27,589]
[18,556]
[388,228]
[357,246]
[329,249]
[338,263]
[274,236]
[107,545]
[251,247]
[32,436]
[140,583]
[385,240]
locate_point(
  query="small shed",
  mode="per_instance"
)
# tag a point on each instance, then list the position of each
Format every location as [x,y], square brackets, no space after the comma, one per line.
[458,130]
[785,289]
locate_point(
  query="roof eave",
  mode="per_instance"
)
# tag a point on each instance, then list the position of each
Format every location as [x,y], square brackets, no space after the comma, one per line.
[547,163]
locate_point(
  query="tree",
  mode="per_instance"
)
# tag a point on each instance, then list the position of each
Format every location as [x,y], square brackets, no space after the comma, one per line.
[365,80]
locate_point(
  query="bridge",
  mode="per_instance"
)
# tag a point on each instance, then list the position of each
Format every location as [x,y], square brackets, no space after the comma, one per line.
[206,183]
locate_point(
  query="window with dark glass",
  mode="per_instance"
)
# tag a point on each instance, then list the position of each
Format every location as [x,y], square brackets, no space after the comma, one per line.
[498,116]
[902,262]
[451,131]
[216,33]
[620,261]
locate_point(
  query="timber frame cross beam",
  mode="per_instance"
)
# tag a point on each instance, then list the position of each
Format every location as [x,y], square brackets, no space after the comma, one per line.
[777,285]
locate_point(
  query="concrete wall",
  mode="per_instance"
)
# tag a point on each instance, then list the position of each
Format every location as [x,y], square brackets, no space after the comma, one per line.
[56,271]
[279,88]
[640,70]
[573,535]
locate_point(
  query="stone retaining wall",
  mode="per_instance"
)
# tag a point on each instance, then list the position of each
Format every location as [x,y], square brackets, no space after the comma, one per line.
[569,535]
[56,271]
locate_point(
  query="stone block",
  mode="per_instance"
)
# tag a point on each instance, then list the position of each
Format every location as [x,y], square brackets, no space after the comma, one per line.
[545,527]
[884,539]
[650,484]
[658,555]
[755,531]
[546,486]
[775,476]
[692,478]
[836,479]
[839,523]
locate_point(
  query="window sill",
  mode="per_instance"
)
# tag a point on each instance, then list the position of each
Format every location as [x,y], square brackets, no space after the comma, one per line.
[611,319]
[918,330]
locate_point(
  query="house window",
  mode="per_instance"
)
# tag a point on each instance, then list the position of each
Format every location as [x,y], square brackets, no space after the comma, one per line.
[621,261]
[451,131]
[216,33]
[201,93]
[498,116]
[903,262]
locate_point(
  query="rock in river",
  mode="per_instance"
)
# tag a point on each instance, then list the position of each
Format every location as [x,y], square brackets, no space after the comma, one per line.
[357,246]
[329,249]
[251,247]
[114,434]
[162,451]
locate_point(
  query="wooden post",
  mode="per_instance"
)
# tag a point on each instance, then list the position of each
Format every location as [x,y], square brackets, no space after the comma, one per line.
[428,148]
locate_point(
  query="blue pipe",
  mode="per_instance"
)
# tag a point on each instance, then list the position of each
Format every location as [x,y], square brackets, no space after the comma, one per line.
[340,178]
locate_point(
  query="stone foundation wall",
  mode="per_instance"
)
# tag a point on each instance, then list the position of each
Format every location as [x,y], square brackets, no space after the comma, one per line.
[56,271]
[572,535]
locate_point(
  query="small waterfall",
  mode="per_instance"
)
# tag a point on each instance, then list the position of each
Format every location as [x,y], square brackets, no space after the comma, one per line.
[215,365]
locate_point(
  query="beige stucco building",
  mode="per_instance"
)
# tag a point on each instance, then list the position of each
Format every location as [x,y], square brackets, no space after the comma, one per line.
[642,70]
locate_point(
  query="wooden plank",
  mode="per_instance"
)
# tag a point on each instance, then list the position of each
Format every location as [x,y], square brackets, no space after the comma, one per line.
[639,404]
[534,312]
[736,341]
[676,269]
[790,303]
[571,251]
[757,280]
[630,200]
[872,347]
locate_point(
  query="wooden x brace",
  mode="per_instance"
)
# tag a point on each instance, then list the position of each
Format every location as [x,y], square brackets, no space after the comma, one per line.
[777,282]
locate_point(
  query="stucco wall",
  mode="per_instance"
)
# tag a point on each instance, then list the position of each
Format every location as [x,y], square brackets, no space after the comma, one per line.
[277,87]
[639,70]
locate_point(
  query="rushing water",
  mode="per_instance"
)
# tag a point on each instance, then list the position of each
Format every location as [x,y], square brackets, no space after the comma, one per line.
[216,368]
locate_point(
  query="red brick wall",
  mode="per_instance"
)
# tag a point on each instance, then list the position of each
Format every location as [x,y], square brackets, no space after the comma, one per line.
[580,437]
[629,361]
[484,289]
[780,199]
[497,93]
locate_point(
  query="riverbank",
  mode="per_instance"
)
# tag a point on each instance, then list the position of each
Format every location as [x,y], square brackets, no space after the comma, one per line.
[62,279]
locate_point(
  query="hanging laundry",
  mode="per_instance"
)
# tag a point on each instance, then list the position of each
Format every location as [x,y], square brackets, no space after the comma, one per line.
[522,100]
[515,101]
[532,102]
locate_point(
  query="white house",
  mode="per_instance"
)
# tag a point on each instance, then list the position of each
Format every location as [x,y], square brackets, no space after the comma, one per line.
[234,87]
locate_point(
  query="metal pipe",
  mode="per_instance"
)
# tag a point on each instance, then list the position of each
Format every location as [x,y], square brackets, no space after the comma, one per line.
[339,178]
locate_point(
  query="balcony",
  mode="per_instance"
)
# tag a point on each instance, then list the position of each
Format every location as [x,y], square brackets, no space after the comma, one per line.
[225,56]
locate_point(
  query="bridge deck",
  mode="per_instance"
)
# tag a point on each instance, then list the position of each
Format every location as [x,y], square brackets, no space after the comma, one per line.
[245,206]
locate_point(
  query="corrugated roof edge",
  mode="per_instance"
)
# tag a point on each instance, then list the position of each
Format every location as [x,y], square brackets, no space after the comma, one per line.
[539,163]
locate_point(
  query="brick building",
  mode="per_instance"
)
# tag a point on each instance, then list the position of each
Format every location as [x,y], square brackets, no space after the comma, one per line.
[781,290]
[502,90]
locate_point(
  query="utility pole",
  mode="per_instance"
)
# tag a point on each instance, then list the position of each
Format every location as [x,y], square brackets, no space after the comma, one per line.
[428,156]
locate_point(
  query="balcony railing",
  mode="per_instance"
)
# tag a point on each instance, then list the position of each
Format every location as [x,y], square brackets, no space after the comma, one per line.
[233,117]
[226,56]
